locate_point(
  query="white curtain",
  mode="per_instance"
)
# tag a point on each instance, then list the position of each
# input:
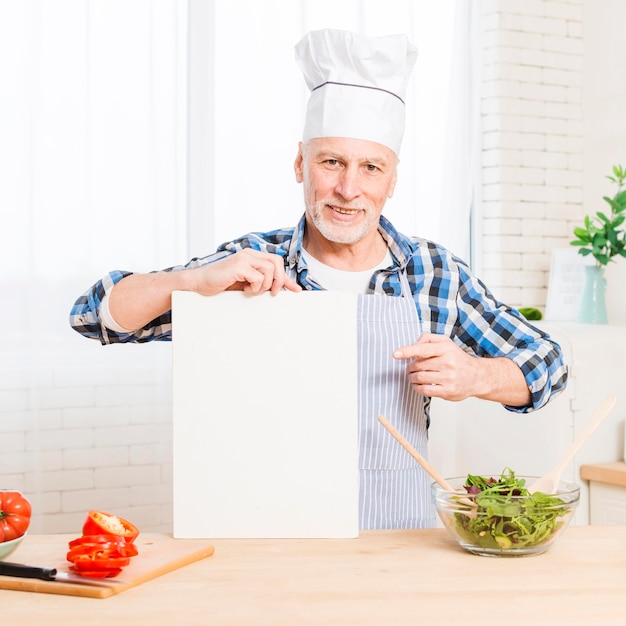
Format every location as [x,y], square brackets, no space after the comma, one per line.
[92,151]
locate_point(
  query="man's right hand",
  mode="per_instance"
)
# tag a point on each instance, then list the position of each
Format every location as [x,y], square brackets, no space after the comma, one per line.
[248,270]
[139,298]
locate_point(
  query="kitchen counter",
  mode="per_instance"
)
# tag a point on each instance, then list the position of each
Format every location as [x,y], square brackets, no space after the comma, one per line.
[383,578]
[606,473]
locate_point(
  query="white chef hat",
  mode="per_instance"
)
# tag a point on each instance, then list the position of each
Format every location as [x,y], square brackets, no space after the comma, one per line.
[357,84]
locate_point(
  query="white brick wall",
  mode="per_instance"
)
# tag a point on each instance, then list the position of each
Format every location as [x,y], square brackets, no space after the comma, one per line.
[89,428]
[532,142]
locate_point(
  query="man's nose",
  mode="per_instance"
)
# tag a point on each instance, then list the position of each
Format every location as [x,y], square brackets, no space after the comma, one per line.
[348,184]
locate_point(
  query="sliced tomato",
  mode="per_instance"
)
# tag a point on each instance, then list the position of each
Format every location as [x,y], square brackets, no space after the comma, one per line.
[96,565]
[105,573]
[101,523]
[89,554]
[117,548]
[96,539]
[102,550]
[105,547]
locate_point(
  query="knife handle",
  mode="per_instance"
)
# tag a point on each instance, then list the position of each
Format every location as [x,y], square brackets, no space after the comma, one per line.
[27,571]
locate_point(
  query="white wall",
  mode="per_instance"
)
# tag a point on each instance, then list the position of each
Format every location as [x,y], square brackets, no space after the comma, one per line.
[531,135]
[604,106]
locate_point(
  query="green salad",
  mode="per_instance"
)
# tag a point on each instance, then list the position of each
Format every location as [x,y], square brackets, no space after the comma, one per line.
[502,519]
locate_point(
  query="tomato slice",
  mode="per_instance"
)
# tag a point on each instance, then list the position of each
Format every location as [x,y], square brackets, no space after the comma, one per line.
[118,547]
[97,539]
[105,573]
[96,565]
[104,550]
[99,523]
[95,554]
[105,542]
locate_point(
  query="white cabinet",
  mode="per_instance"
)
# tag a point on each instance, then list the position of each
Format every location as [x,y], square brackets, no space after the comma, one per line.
[607,492]
[476,436]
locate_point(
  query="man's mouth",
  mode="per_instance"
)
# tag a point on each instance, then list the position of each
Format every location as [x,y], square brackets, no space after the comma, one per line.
[343,210]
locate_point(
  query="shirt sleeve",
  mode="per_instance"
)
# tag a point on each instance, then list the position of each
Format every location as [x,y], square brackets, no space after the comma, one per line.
[89,318]
[86,317]
[489,328]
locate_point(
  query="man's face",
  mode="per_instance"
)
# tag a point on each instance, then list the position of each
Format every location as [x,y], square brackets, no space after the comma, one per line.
[346,184]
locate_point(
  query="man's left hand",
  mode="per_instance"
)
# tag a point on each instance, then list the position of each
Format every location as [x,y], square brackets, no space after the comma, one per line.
[438,368]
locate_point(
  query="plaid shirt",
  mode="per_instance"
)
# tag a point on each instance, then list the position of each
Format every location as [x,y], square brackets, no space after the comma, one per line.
[449,299]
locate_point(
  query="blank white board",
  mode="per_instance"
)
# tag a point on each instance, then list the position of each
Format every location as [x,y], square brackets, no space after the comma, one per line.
[265,424]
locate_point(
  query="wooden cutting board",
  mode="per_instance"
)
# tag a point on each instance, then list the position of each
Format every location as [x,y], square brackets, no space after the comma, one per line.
[158,555]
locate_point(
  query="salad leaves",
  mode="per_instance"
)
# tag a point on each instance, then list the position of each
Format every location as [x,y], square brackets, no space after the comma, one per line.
[507,515]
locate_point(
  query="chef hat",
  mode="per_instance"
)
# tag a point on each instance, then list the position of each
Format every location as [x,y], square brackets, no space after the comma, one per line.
[357,85]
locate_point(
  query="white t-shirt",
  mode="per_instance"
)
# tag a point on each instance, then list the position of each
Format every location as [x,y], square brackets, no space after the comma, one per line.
[343,280]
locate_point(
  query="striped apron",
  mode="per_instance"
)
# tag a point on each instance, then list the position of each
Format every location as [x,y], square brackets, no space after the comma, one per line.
[394,489]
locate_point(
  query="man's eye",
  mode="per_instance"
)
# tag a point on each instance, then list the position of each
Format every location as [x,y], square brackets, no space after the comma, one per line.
[371,168]
[332,161]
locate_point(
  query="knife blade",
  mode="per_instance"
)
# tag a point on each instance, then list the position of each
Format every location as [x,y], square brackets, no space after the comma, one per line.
[20,570]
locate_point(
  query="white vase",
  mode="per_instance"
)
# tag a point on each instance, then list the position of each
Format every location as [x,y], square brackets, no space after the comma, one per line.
[592,308]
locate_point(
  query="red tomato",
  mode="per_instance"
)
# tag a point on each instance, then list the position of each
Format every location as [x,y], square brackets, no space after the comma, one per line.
[15,512]
[100,523]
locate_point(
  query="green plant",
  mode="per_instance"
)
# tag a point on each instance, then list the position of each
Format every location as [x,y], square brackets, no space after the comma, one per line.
[530,313]
[602,236]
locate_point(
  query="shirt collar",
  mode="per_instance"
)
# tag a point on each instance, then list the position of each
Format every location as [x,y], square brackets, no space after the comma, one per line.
[295,247]
[400,246]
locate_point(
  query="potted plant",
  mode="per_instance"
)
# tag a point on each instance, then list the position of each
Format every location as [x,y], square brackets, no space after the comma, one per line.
[603,236]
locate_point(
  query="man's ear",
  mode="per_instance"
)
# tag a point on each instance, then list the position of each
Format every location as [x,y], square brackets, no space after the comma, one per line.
[298,163]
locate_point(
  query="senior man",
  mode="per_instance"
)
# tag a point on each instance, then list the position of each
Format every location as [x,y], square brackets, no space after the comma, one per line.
[427,327]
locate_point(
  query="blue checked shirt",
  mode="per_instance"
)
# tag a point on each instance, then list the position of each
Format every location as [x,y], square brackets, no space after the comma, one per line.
[449,299]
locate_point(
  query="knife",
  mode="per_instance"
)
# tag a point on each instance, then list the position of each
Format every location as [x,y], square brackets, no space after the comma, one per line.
[50,573]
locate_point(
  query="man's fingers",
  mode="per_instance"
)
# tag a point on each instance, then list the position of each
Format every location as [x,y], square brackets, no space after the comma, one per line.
[426,347]
[248,270]
[257,272]
[292,285]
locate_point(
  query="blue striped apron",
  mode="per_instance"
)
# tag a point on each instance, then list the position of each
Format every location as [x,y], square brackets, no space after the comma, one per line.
[394,489]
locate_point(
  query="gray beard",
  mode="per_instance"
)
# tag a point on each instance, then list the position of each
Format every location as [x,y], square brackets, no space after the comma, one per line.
[337,233]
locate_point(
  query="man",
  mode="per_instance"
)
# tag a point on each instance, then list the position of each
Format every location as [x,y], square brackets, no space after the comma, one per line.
[440,334]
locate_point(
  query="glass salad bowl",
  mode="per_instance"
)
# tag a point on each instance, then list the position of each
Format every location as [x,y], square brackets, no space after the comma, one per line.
[497,516]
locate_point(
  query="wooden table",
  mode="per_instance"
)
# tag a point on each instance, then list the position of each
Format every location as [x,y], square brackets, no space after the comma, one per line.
[384,578]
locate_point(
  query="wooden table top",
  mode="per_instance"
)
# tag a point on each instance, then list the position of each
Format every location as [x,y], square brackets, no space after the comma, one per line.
[607,473]
[383,578]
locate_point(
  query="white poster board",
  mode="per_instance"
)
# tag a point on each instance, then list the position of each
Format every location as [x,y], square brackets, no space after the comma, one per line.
[265,424]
